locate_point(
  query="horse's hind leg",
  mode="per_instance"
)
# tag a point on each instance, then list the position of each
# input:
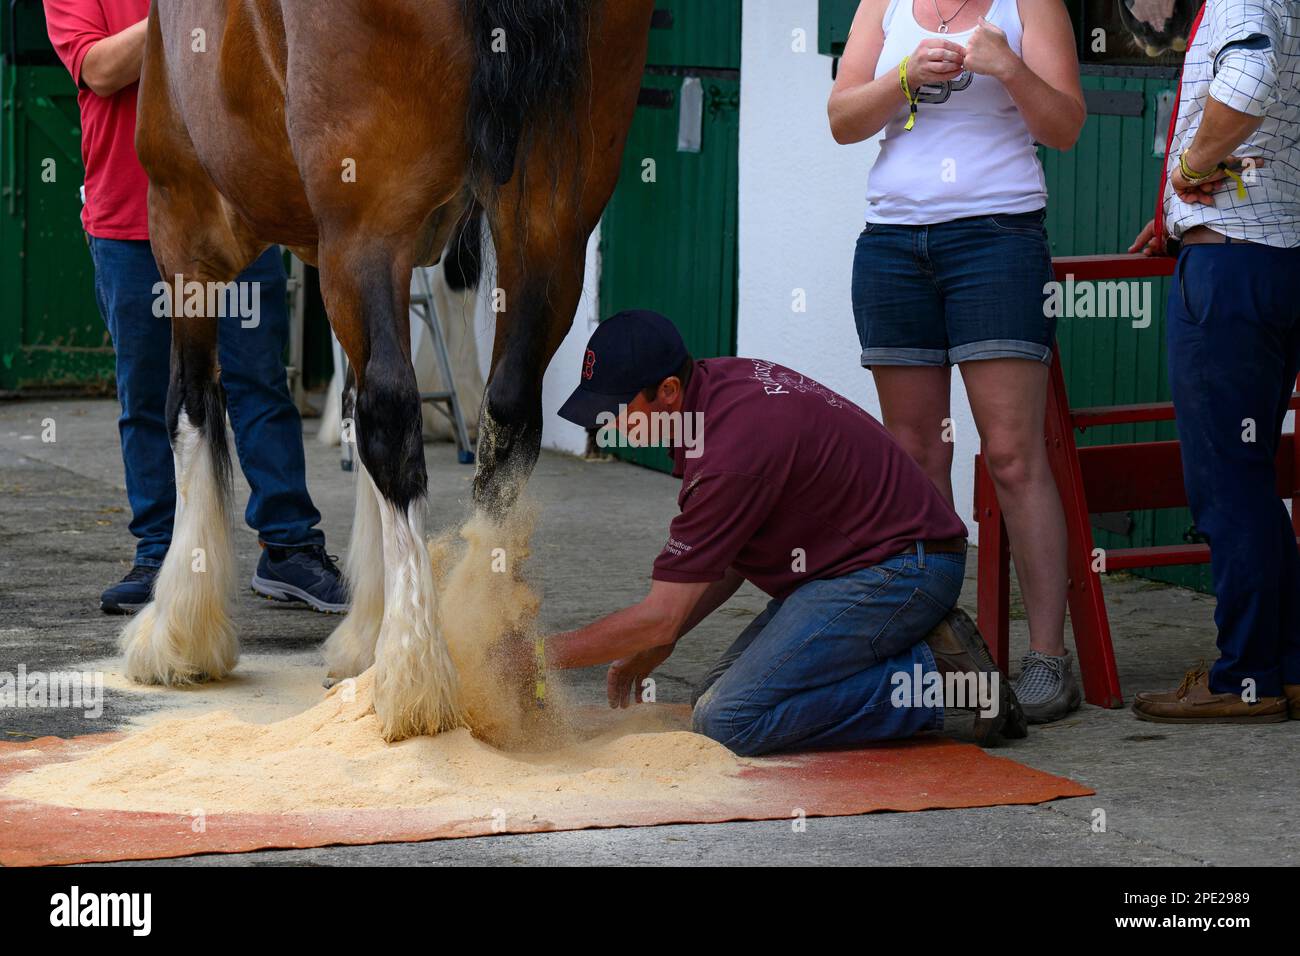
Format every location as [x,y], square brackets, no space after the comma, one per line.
[185,633]
[366,285]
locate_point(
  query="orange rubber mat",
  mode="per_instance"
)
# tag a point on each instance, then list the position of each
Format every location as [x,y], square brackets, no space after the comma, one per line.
[921,774]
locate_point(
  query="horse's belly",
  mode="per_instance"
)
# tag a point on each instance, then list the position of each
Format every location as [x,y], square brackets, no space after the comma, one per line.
[229,91]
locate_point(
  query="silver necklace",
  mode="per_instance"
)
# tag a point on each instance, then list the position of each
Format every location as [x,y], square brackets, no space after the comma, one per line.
[943,24]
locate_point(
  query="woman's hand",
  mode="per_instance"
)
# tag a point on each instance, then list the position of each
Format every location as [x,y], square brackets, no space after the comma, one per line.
[625,676]
[989,54]
[934,61]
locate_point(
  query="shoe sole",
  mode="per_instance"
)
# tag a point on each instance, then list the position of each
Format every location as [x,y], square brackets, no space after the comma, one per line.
[1074,703]
[288,594]
[1010,722]
[122,609]
[1268,719]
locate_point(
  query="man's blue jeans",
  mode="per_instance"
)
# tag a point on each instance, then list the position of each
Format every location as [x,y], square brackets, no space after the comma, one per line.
[268,431]
[817,668]
[1234,351]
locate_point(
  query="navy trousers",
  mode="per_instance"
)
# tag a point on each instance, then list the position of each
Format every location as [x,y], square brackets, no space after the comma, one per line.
[268,430]
[1234,352]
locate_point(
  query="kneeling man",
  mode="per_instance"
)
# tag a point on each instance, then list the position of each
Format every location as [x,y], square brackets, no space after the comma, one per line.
[794,488]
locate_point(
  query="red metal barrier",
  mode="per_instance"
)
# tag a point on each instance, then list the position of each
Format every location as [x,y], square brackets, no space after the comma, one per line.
[1095,480]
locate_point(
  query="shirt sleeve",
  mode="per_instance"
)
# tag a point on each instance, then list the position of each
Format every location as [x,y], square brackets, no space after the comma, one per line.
[720,515]
[1245,43]
[74,27]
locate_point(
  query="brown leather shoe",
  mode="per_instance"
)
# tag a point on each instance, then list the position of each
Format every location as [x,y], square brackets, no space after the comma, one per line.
[1292,692]
[1194,703]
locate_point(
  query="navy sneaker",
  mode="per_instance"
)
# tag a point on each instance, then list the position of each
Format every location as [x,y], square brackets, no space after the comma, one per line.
[131,593]
[306,575]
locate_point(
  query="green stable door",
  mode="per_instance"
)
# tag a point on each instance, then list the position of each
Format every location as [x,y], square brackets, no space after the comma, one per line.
[51,334]
[668,238]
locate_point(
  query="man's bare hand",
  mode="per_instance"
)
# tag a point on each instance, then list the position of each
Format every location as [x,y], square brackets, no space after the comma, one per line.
[1202,192]
[623,681]
[1146,240]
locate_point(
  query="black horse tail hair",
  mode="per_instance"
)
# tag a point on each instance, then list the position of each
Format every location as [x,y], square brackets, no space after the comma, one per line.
[462,260]
[530,64]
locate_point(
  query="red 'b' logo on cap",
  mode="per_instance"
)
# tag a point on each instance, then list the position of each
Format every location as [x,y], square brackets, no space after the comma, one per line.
[589,364]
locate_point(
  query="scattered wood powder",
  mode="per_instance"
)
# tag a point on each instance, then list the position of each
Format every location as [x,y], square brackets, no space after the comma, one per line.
[332,757]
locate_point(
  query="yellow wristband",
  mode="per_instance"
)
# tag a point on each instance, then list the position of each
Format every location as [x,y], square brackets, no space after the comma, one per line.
[1188,173]
[907,92]
[1235,177]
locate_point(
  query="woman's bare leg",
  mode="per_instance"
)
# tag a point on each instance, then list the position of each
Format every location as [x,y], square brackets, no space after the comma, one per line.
[1009,401]
[914,400]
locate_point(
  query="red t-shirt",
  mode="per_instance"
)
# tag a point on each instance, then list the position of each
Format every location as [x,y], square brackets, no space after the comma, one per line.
[793,483]
[117,189]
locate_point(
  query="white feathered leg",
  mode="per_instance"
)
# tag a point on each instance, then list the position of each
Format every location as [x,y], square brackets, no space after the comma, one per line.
[351,648]
[416,689]
[185,634]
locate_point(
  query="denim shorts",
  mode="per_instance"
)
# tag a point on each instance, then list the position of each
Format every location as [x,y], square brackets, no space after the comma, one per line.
[953,292]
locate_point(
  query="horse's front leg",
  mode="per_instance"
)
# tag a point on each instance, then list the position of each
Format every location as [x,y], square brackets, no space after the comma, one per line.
[351,648]
[366,285]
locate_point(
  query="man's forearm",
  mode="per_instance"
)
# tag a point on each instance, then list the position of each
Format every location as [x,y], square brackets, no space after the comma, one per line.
[1222,131]
[718,593]
[614,636]
[113,63]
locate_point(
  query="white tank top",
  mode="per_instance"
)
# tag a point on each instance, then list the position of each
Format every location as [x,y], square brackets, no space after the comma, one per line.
[970,156]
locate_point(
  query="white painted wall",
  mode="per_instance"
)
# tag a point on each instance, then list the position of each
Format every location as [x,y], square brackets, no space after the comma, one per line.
[802,205]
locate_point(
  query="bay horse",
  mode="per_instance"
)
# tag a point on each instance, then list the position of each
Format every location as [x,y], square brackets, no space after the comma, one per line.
[364,135]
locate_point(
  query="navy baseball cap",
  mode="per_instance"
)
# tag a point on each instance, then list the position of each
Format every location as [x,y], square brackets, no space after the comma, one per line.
[628,352]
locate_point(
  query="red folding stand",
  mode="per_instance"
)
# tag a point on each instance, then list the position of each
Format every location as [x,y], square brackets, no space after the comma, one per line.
[1097,480]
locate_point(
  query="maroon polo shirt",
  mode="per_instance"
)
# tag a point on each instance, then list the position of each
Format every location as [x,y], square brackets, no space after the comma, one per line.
[794,483]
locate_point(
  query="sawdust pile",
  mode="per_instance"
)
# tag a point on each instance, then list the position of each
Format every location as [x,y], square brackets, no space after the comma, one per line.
[332,757]
[515,757]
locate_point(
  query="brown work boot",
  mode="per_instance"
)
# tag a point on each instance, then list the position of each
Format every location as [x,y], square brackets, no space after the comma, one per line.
[958,648]
[1292,692]
[1194,703]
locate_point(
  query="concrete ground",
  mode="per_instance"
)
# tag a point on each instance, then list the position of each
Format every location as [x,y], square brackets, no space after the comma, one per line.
[1171,795]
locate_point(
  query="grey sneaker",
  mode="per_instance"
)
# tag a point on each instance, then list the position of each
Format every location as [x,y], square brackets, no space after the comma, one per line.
[1046,687]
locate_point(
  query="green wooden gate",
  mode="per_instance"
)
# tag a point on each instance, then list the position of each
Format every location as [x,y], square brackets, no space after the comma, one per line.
[51,333]
[668,239]
[1100,194]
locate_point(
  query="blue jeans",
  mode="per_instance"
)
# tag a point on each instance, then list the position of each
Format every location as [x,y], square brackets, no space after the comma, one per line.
[1234,352]
[817,668]
[268,431]
[952,292]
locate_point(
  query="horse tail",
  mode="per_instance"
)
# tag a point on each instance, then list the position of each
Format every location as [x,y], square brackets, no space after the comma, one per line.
[530,64]
[462,260]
